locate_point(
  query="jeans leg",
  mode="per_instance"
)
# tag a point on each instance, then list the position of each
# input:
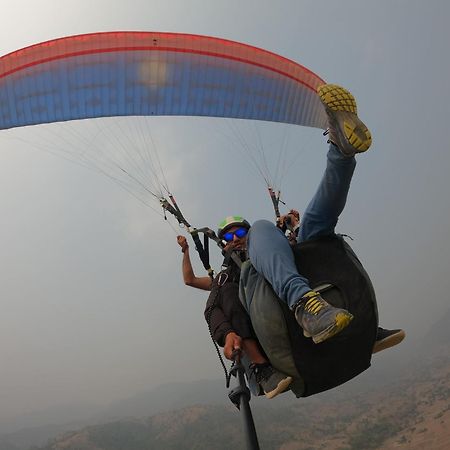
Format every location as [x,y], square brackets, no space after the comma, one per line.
[321,215]
[271,255]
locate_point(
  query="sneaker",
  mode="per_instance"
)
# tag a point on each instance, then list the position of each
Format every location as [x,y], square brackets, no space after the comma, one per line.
[346,130]
[318,318]
[387,338]
[271,381]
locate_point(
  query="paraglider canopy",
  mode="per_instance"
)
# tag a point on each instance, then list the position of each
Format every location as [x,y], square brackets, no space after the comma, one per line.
[148,73]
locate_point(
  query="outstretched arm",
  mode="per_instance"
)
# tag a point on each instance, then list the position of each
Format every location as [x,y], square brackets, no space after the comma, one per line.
[189,277]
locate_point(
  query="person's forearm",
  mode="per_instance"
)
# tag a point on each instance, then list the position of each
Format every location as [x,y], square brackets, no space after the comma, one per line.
[189,277]
[188,272]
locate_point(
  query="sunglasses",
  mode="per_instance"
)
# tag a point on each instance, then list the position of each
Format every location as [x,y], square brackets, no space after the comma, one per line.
[239,233]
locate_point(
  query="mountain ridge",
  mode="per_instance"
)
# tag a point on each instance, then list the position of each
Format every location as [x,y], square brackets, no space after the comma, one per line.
[427,372]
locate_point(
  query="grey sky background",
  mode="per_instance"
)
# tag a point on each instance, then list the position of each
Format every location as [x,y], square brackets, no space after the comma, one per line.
[93,305]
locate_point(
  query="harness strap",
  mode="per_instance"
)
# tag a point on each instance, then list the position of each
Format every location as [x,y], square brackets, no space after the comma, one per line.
[203,251]
[231,255]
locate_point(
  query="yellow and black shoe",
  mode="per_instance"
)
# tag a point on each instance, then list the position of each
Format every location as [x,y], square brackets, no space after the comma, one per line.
[319,319]
[345,130]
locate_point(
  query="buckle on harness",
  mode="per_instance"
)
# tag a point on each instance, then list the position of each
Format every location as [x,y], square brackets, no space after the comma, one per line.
[223,277]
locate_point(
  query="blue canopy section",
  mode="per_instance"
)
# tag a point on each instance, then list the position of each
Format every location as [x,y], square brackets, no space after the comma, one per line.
[154,81]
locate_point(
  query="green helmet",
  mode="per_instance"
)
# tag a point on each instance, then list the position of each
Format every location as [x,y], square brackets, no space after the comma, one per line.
[230,222]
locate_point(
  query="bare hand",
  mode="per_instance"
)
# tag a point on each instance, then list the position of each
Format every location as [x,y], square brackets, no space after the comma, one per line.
[232,342]
[182,242]
[291,219]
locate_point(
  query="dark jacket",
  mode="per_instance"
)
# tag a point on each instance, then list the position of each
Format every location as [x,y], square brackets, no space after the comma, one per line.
[224,311]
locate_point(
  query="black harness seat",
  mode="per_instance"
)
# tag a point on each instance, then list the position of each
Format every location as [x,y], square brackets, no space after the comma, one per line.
[331,267]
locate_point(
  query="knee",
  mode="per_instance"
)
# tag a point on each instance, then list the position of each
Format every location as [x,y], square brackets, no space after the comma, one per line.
[262,226]
[261,232]
[261,229]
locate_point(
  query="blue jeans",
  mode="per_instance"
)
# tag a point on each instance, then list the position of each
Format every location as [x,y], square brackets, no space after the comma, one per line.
[268,248]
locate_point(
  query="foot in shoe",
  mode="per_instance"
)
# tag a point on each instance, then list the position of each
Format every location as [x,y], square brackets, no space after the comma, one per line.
[346,130]
[319,319]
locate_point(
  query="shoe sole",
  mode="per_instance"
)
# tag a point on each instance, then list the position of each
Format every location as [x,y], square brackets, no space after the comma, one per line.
[342,320]
[282,386]
[342,102]
[388,342]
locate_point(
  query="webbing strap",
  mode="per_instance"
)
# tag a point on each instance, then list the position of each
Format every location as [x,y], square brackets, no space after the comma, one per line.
[231,255]
[203,251]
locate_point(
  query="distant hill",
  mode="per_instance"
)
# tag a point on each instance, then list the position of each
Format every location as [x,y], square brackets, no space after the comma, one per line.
[38,427]
[403,406]
[410,413]
[167,397]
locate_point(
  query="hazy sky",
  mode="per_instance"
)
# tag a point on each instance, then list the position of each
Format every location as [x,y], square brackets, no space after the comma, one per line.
[93,306]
